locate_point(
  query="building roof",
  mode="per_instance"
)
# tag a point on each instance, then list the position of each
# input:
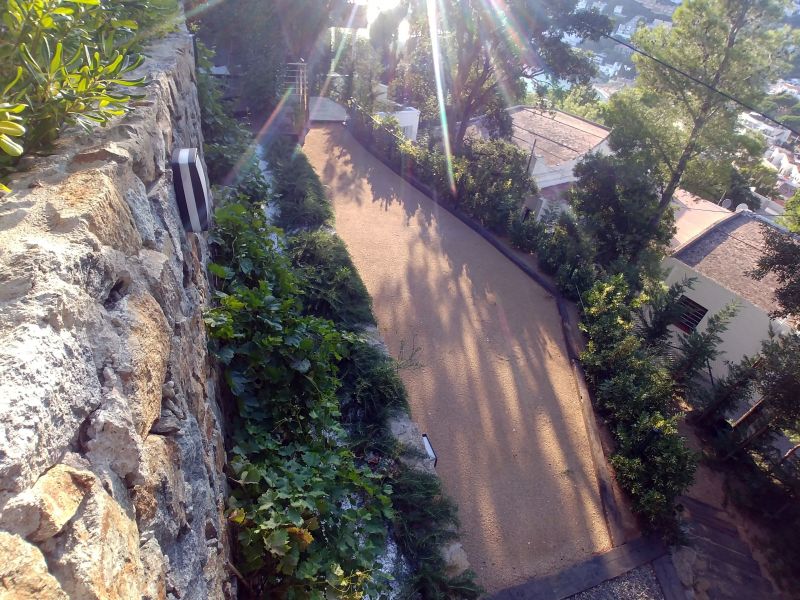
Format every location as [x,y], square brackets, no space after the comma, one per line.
[693,216]
[727,251]
[560,137]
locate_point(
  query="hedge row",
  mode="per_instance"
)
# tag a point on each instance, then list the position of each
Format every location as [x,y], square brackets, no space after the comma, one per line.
[489,181]
[635,393]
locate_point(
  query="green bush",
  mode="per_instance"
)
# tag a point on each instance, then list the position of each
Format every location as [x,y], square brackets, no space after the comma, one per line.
[66,62]
[524,235]
[332,288]
[634,390]
[297,190]
[654,466]
[310,516]
[494,183]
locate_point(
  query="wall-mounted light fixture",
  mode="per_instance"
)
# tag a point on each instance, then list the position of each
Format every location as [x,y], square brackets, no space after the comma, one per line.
[429,449]
[191,189]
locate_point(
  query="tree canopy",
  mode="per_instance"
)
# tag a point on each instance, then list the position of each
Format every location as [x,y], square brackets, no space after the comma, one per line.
[615,203]
[670,124]
[260,36]
[791,218]
[485,51]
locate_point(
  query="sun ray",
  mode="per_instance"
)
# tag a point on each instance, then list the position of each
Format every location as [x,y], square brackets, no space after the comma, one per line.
[337,57]
[437,70]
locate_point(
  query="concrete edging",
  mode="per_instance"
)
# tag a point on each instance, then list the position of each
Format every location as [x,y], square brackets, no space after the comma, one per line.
[611,510]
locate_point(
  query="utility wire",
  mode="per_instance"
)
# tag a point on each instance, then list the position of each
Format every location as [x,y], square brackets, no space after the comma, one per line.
[695,79]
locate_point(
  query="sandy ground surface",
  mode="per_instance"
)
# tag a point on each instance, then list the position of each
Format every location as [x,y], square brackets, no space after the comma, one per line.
[494,390]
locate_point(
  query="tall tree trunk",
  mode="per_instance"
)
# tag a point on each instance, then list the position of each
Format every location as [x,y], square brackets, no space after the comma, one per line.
[700,121]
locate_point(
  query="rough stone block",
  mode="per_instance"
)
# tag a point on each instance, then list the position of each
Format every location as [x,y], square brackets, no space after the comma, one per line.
[42,511]
[23,572]
[97,555]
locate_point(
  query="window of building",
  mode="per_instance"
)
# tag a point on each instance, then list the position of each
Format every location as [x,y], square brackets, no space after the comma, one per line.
[693,313]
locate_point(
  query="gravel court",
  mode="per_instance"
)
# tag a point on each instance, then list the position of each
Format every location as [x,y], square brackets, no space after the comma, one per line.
[494,388]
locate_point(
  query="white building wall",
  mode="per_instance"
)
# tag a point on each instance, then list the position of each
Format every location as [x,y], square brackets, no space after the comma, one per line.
[745,332]
[547,176]
[408,119]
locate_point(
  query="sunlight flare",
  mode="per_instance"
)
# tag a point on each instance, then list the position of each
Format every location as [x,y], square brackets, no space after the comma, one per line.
[437,69]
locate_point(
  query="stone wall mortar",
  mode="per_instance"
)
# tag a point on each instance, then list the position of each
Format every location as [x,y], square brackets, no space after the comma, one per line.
[112,451]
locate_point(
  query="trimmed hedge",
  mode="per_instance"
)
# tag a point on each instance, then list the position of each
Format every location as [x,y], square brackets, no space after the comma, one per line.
[332,287]
[490,180]
[297,190]
[634,392]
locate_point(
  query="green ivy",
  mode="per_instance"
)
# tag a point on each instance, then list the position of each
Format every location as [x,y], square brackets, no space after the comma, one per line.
[311,519]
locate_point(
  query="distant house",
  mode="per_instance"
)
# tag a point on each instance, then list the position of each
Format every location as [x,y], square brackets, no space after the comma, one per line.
[719,258]
[788,166]
[555,141]
[627,29]
[773,134]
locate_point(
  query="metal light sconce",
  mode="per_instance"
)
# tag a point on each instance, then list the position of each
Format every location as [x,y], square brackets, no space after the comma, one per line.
[191,189]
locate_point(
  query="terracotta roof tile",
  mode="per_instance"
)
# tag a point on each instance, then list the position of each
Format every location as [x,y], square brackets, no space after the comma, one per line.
[560,137]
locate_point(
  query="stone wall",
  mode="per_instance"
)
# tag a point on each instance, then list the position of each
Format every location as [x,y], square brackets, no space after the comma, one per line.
[111,442]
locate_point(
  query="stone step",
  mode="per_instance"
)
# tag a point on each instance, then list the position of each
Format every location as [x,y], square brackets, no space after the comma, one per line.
[719,554]
[734,542]
[668,578]
[701,507]
[742,580]
[587,574]
[710,516]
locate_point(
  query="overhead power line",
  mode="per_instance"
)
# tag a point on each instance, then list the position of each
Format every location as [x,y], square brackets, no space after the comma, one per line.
[696,80]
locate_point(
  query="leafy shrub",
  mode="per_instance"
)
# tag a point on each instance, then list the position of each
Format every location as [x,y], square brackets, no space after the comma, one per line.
[310,518]
[565,252]
[634,390]
[699,348]
[69,61]
[525,234]
[654,466]
[495,184]
[297,190]
[332,287]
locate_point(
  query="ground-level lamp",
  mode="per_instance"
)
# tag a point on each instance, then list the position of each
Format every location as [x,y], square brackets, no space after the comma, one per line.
[429,449]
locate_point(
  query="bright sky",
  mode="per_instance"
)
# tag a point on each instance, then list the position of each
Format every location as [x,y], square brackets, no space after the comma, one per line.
[376,6]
